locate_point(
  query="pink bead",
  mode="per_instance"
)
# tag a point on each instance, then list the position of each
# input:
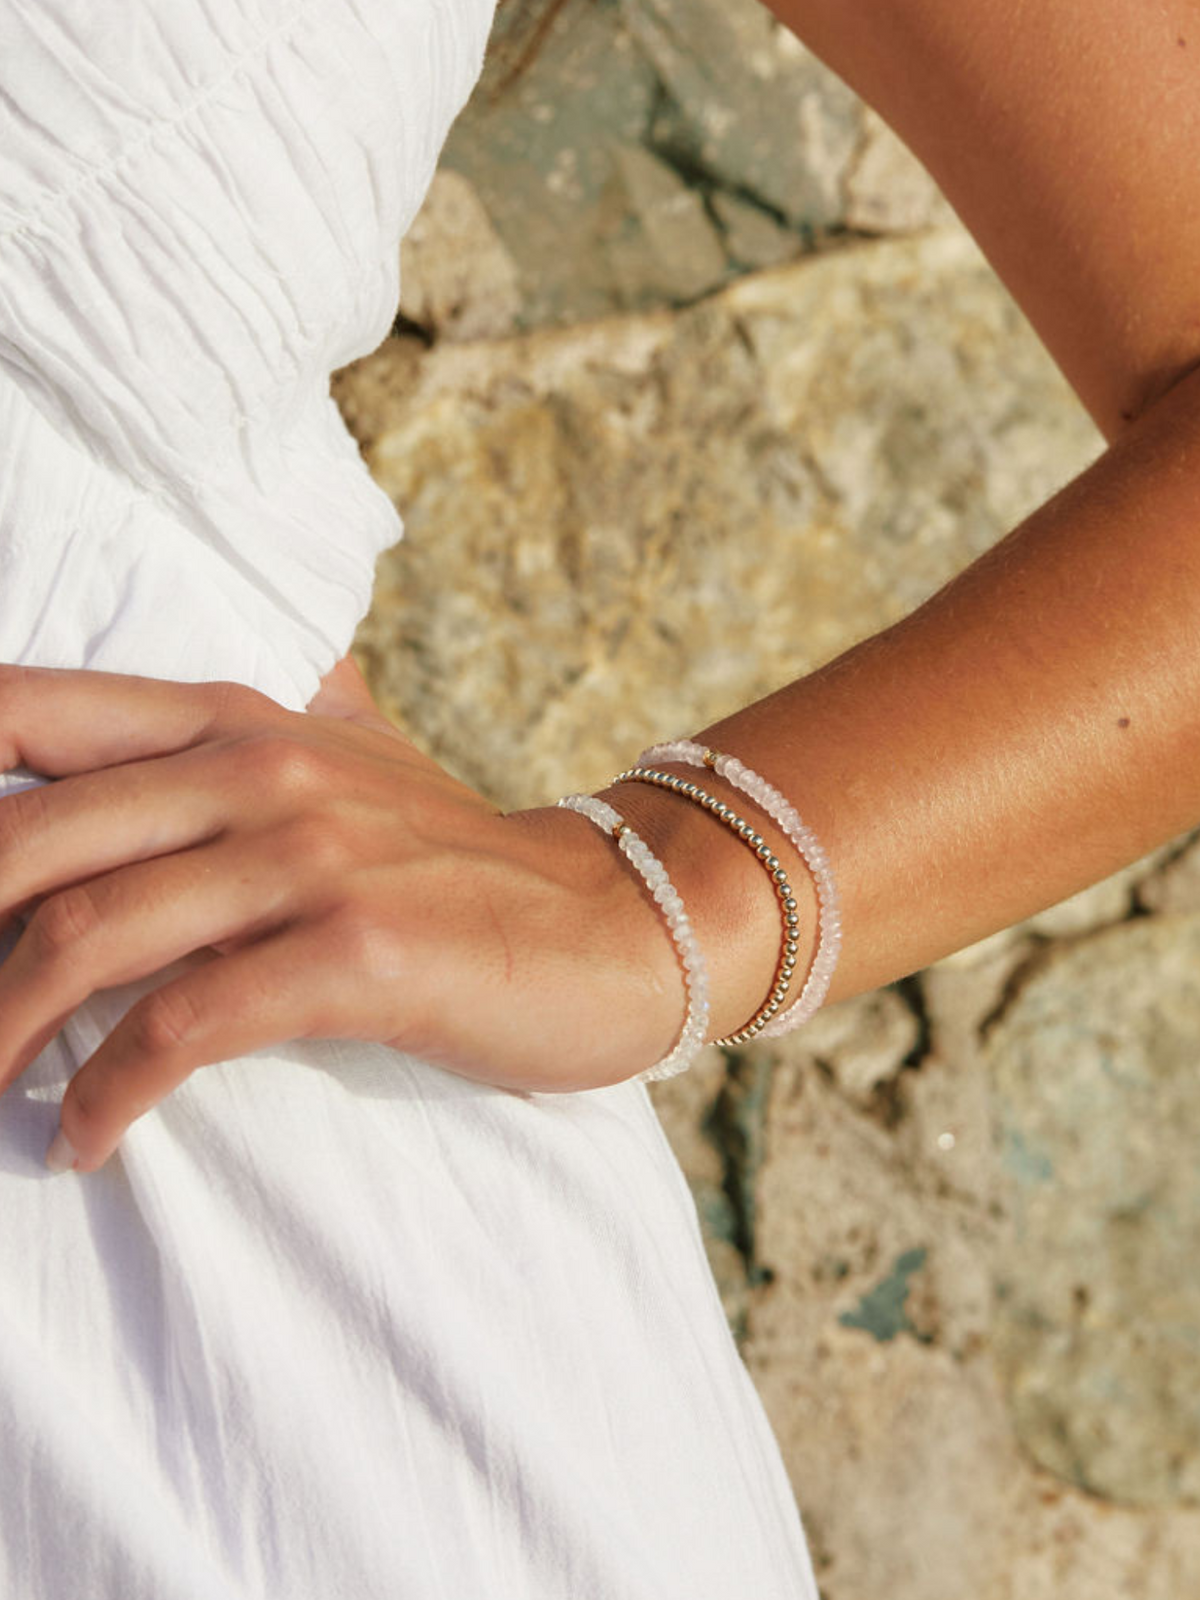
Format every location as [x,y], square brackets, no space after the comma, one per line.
[654,874]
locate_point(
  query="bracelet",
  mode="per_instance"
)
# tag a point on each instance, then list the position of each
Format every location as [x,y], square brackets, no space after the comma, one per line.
[779,882]
[764,794]
[654,874]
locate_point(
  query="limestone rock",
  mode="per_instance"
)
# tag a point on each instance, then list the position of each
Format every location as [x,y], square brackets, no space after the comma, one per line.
[866,1350]
[740,114]
[852,1230]
[538,151]
[749,105]
[657,235]
[1060,1544]
[960,996]
[1097,1104]
[753,238]
[861,1042]
[371,391]
[456,278]
[870,1347]
[903,1466]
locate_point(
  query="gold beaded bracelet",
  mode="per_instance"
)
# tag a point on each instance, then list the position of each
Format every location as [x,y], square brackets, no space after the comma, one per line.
[753,840]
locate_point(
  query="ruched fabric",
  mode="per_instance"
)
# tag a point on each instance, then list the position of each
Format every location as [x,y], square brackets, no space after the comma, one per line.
[333,1322]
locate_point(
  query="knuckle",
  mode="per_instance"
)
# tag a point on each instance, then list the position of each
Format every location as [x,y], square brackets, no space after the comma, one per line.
[65,921]
[165,1022]
[287,765]
[317,843]
[362,941]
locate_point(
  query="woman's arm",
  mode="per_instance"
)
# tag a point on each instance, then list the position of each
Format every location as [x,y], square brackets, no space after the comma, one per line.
[1034,726]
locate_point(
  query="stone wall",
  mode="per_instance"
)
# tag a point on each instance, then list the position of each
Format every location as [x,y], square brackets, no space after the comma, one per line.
[696,381]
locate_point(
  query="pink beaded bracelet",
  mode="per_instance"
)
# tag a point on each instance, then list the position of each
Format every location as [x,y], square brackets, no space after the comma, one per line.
[695,976]
[753,840]
[766,796]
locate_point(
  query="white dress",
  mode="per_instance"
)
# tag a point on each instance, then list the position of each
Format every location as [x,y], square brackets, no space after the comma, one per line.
[333,1322]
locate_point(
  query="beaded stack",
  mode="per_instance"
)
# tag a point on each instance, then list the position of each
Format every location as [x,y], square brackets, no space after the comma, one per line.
[779,882]
[778,807]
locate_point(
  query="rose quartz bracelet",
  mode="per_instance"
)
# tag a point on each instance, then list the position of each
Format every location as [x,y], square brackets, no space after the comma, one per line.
[695,976]
[765,795]
[753,840]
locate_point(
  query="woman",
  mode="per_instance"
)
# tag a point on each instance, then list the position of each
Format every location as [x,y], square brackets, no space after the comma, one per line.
[336,1319]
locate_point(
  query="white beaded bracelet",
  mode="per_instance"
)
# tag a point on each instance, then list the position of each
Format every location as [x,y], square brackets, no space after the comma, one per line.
[765,795]
[654,874]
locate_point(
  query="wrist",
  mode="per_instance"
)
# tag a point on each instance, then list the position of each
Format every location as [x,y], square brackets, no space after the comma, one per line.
[618,932]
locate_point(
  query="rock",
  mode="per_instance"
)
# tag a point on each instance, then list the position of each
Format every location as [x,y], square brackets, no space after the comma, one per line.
[457,280]
[1097,1106]
[538,151]
[660,243]
[892,1424]
[736,112]
[960,995]
[870,1347]
[854,1226]
[886,189]
[753,238]
[903,1467]
[374,389]
[623,530]
[1059,1544]
[748,105]
[826,1161]
[872,1350]
[627,529]
[861,1042]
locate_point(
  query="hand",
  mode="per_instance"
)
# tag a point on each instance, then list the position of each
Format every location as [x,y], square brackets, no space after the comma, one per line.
[332,882]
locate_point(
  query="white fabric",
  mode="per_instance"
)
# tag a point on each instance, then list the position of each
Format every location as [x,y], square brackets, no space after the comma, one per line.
[334,1323]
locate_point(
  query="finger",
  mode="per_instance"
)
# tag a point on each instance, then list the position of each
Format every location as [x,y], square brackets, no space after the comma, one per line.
[57,720]
[262,995]
[80,826]
[126,925]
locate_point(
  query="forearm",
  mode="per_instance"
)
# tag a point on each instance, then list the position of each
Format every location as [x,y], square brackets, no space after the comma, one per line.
[1028,730]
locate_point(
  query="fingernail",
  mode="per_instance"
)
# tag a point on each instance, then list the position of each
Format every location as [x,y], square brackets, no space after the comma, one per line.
[62,1154]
